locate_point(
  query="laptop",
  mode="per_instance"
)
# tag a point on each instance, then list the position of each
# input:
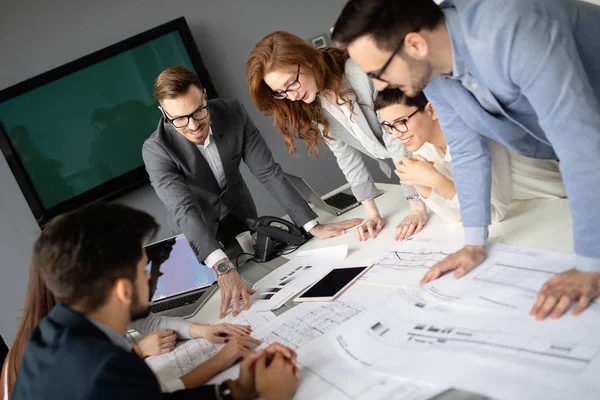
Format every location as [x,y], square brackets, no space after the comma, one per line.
[336,204]
[179,284]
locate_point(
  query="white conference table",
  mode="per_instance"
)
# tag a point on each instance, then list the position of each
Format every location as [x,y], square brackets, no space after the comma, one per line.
[542,224]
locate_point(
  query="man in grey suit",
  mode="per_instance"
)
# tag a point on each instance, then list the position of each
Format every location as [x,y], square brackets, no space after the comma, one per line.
[193,161]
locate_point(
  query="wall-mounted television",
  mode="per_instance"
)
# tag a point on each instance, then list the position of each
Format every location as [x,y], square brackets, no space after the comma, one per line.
[74,135]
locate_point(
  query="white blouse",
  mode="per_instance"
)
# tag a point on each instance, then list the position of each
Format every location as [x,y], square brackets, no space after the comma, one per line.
[514,177]
[343,114]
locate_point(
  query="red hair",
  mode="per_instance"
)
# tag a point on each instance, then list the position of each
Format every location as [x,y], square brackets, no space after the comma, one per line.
[296,119]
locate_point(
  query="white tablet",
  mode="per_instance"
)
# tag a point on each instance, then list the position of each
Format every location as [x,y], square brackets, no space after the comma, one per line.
[333,284]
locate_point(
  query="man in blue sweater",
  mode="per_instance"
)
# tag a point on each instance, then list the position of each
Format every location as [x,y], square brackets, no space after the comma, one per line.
[525,73]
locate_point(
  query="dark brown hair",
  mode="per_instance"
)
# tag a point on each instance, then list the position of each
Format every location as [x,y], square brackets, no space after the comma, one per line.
[82,254]
[296,119]
[389,97]
[38,303]
[388,21]
[174,82]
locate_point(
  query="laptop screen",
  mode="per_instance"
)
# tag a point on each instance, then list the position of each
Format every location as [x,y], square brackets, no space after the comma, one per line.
[174,268]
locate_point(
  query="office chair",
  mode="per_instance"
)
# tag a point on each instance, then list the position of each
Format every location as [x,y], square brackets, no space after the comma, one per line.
[3,351]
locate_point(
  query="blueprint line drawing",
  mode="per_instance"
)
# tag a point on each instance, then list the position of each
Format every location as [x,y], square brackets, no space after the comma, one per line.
[529,279]
[567,355]
[306,322]
[404,264]
[397,259]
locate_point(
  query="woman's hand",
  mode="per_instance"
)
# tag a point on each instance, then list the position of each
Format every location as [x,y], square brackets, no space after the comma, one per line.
[218,333]
[417,171]
[158,342]
[235,348]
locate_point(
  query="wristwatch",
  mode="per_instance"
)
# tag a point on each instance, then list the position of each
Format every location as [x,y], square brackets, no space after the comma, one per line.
[413,197]
[224,267]
[224,392]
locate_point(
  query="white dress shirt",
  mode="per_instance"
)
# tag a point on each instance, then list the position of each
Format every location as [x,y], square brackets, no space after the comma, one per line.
[210,152]
[347,118]
[514,177]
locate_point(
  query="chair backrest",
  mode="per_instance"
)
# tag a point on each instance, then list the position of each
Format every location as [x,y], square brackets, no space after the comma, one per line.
[3,351]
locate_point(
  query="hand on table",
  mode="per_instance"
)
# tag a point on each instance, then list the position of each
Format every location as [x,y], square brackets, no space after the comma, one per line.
[232,288]
[326,231]
[235,348]
[157,342]
[463,261]
[276,377]
[218,333]
[245,386]
[568,287]
[372,225]
[411,224]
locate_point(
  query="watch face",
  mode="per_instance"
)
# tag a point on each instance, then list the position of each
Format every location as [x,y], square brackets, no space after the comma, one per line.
[222,268]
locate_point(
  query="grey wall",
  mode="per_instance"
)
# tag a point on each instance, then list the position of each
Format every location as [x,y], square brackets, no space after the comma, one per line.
[39,35]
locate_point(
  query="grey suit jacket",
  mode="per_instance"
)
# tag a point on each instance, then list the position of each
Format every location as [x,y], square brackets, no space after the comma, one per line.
[347,149]
[187,186]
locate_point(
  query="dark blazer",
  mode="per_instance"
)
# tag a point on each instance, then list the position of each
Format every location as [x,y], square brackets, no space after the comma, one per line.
[187,186]
[68,358]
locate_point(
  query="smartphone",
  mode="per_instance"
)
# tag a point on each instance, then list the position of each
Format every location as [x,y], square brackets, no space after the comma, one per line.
[333,284]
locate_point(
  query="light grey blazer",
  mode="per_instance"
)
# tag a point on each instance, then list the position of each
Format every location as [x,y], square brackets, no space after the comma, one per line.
[189,190]
[348,150]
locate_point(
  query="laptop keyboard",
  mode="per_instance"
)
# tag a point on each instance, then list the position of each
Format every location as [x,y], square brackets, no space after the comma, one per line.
[341,200]
[178,302]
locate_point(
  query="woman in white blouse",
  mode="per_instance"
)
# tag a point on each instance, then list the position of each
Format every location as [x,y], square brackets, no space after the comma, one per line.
[320,95]
[413,122]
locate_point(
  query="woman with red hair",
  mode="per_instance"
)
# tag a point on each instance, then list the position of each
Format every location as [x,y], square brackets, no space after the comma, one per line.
[321,95]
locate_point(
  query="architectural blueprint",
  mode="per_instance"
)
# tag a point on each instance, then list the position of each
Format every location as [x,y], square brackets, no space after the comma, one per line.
[509,279]
[501,355]
[406,262]
[188,354]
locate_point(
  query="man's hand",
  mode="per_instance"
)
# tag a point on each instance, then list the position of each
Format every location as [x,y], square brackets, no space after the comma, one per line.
[158,342]
[560,292]
[462,261]
[232,288]
[416,171]
[411,224]
[218,333]
[327,231]
[276,378]
[373,225]
[245,387]
[288,353]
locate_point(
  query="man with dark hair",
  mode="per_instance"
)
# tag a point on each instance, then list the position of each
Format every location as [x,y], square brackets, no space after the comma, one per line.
[193,160]
[94,264]
[525,73]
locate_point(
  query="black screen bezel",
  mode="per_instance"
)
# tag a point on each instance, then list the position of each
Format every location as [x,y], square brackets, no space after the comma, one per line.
[119,185]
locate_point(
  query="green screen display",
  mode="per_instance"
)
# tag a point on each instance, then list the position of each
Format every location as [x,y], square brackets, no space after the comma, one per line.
[82,130]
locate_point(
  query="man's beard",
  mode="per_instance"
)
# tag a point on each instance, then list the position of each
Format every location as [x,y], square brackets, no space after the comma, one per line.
[136,310]
[421,73]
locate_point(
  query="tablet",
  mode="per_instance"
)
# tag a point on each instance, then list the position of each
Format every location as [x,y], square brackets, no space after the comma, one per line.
[333,284]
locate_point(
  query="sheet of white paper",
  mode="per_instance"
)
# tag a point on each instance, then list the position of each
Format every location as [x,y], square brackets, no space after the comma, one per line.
[255,319]
[305,322]
[501,355]
[405,263]
[509,279]
[336,252]
[294,276]
[188,354]
[324,375]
